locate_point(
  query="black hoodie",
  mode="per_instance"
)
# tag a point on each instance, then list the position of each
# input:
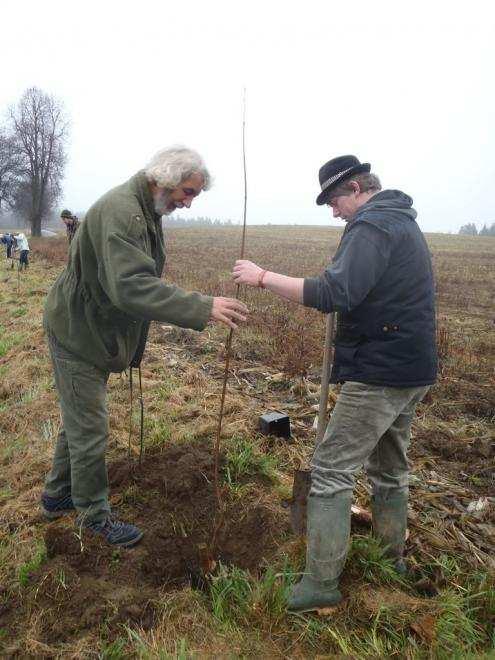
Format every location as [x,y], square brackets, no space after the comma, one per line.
[381,284]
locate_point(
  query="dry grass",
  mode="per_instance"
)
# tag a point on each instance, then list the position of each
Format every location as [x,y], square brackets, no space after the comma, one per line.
[276,365]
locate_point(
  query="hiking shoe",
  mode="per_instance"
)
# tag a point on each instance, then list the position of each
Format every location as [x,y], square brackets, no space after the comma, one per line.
[116,532]
[54,507]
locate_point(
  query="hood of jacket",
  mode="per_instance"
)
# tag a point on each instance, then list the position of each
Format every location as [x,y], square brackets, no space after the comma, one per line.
[389,200]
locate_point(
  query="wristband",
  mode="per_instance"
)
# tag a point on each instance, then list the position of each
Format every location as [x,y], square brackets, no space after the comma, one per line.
[260,279]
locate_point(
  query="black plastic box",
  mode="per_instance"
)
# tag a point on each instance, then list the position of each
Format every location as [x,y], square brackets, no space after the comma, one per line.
[275,423]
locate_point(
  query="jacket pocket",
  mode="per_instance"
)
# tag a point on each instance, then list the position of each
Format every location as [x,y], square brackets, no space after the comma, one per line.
[109,337]
[345,357]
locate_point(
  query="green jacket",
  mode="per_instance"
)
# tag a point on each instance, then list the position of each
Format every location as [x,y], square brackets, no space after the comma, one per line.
[100,307]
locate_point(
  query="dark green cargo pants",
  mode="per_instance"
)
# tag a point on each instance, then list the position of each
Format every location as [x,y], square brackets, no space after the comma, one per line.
[79,460]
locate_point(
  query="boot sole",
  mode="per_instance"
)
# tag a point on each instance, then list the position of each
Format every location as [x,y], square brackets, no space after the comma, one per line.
[129,544]
[320,610]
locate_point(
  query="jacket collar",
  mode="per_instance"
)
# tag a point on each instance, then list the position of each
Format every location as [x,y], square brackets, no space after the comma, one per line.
[140,185]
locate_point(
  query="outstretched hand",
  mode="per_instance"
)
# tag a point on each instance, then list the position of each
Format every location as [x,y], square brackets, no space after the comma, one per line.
[246,272]
[228,310]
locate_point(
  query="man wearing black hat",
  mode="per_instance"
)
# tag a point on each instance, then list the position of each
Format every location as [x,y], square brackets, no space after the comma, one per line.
[380,283]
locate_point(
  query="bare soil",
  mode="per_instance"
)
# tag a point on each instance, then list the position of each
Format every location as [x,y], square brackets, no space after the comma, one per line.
[86,582]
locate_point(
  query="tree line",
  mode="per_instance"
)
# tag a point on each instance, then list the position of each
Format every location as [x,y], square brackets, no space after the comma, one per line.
[33,156]
[470,229]
[201,221]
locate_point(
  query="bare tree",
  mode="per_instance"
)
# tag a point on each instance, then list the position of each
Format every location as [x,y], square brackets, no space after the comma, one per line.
[469,229]
[40,129]
[9,169]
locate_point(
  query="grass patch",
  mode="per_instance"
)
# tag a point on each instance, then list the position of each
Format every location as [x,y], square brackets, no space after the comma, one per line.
[238,599]
[15,446]
[48,430]
[20,311]
[167,388]
[9,340]
[35,390]
[244,460]
[466,608]
[115,650]
[369,558]
[157,432]
[457,631]
[145,651]
[5,494]
[25,570]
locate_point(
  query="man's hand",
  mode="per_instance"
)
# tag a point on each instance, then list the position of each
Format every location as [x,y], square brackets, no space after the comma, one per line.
[246,272]
[228,310]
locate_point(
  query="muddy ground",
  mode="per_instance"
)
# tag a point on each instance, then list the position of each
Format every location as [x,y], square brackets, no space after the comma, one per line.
[85,583]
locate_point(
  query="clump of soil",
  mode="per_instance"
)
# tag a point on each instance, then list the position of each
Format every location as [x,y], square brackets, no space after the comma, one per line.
[170,496]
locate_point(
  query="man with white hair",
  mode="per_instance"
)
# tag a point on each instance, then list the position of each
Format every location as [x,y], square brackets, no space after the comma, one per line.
[97,317]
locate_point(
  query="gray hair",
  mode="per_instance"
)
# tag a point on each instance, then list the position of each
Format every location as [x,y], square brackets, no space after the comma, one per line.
[367,182]
[171,166]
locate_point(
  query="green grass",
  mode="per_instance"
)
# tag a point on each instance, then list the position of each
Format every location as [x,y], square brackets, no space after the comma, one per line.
[457,631]
[142,650]
[115,650]
[5,494]
[245,460]
[167,388]
[48,430]
[466,608]
[157,432]
[369,557]
[9,340]
[15,446]
[35,389]
[20,311]
[237,598]
[25,570]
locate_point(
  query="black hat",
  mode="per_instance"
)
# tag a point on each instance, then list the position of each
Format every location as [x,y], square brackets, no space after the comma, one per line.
[335,171]
[66,214]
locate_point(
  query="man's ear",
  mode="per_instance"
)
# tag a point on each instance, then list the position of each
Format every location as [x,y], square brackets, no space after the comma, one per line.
[355,187]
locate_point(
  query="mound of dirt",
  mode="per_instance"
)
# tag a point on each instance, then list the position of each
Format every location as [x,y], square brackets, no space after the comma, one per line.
[86,582]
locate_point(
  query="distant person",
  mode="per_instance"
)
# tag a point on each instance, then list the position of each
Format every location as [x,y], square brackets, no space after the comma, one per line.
[97,316]
[9,241]
[23,247]
[380,283]
[71,223]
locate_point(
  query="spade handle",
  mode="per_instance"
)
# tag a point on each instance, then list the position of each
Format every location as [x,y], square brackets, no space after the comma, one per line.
[325,377]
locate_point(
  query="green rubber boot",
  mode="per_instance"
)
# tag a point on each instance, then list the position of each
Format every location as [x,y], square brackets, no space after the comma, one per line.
[329,527]
[389,516]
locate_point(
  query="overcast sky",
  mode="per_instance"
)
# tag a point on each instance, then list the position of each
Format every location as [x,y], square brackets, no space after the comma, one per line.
[407,86]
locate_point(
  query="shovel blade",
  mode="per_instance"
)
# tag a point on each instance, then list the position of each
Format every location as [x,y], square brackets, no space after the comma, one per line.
[298,502]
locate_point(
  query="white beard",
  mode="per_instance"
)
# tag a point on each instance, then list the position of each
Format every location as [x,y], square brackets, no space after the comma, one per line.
[160,202]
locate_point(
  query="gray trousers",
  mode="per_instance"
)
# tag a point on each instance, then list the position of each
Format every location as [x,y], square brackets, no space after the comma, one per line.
[79,460]
[370,426]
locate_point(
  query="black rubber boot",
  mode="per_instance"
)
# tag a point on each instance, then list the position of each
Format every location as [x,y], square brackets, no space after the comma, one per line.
[329,526]
[389,516]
